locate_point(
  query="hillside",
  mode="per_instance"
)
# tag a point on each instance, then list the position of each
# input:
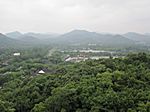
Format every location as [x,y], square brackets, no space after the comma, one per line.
[85,37]
[81,37]
[19,40]
[41,36]
[24,38]
[14,35]
[6,41]
[143,38]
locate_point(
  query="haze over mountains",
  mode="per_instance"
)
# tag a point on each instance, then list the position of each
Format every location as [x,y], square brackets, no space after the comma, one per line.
[74,37]
[5,41]
[144,38]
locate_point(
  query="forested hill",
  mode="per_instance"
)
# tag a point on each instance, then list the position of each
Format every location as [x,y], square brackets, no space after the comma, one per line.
[85,37]
[77,38]
[5,41]
[105,85]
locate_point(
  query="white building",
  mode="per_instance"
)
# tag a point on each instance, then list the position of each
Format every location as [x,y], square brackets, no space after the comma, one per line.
[17,54]
[41,72]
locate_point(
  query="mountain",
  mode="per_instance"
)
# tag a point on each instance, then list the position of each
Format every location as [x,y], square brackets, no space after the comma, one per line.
[147,34]
[78,36]
[32,38]
[6,41]
[23,38]
[85,37]
[42,35]
[28,39]
[142,38]
[14,35]
[81,37]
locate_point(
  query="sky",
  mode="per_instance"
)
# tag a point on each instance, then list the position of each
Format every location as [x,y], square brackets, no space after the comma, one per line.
[60,16]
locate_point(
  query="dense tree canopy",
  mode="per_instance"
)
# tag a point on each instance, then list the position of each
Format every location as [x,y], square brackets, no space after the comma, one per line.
[105,85]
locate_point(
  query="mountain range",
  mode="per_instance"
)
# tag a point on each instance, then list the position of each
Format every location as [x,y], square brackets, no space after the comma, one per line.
[141,38]
[6,41]
[74,37]
[86,37]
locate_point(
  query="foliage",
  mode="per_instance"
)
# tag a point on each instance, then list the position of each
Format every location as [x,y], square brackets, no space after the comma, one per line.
[105,85]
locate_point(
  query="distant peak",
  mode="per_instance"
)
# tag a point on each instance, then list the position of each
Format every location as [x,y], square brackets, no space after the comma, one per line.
[80,31]
[2,34]
[77,30]
[132,33]
[15,32]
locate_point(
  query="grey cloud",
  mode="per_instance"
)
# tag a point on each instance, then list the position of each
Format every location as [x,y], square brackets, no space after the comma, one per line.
[117,16]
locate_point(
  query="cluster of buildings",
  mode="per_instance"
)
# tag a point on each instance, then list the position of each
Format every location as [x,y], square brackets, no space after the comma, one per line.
[75,59]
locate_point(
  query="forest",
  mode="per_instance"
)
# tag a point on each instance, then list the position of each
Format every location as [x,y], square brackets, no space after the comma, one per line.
[104,85]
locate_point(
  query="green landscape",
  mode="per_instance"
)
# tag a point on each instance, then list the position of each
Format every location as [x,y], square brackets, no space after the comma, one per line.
[38,79]
[74,56]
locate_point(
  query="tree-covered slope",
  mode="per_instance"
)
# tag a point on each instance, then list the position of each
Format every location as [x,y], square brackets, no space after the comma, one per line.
[6,41]
[105,85]
[143,38]
[85,37]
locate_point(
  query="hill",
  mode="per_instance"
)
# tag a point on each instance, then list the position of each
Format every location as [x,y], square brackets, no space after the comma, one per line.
[27,39]
[41,36]
[81,37]
[85,37]
[14,35]
[143,38]
[6,41]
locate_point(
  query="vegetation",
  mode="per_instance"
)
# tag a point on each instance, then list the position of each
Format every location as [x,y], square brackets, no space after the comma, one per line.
[105,85]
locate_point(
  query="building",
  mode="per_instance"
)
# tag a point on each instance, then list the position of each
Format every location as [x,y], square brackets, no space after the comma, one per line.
[41,72]
[17,54]
[75,59]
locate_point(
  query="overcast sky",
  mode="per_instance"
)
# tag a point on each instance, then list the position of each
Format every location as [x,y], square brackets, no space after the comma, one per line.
[59,16]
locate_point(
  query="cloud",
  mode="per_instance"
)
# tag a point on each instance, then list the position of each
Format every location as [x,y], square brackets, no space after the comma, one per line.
[116,16]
